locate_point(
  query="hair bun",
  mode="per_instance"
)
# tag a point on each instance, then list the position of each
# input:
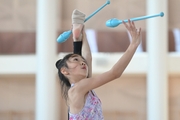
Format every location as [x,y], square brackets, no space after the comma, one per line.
[58,63]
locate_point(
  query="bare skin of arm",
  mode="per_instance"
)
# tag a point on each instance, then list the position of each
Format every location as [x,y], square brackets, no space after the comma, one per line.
[79,91]
[86,51]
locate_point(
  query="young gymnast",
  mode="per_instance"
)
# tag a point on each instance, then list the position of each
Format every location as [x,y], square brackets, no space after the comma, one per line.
[75,72]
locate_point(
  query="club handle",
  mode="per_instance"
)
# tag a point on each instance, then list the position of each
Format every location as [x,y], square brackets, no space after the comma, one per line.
[145,17]
[114,22]
[107,2]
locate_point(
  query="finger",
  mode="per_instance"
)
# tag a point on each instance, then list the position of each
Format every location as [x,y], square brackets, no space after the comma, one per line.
[139,31]
[131,25]
[129,22]
[125,24]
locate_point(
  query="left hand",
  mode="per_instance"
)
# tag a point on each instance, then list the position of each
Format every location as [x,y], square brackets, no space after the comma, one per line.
[134,32]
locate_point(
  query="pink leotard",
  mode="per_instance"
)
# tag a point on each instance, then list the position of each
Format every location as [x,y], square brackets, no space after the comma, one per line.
[91,111]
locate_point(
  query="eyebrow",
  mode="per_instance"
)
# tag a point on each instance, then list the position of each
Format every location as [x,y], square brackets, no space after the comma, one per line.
[73,56]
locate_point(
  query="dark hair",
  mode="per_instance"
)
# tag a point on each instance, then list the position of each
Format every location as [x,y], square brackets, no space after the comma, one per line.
[64,81]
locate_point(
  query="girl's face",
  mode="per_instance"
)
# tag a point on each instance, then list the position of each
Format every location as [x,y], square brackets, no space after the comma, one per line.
[77,66]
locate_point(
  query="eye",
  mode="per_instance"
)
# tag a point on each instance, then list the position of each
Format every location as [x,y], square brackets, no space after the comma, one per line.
[75,59]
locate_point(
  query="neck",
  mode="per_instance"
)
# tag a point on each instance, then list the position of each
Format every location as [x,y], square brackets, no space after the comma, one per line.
[75,79]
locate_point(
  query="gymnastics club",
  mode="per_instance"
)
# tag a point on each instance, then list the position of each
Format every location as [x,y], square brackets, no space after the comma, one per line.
[114,22]
[65,35]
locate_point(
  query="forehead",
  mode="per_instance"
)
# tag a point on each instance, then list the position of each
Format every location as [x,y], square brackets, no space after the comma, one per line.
[76,55]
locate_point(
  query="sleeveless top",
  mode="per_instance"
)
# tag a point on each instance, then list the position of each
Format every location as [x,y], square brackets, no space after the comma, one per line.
[91,111]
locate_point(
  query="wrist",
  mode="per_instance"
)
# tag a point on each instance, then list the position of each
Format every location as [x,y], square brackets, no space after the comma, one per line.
[133,45]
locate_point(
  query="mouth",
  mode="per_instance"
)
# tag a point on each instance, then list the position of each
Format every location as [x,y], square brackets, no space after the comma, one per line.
[84,67]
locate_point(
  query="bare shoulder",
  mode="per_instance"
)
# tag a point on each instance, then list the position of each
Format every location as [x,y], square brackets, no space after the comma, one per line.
[76,91]
[76,100]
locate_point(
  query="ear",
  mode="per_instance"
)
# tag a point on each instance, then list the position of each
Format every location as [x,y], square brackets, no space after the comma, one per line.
[64,71]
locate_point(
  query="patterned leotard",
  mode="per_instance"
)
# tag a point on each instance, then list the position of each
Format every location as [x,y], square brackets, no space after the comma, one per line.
[91,111]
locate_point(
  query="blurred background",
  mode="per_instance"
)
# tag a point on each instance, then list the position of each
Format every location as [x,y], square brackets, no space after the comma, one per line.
[27,92]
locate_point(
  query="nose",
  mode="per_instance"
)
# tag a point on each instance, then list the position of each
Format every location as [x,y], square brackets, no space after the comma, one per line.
[82,63]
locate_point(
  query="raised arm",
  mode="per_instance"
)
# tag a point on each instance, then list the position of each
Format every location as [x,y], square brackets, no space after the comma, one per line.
[117,70]
[81,45]
[120,66]
[86,53]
